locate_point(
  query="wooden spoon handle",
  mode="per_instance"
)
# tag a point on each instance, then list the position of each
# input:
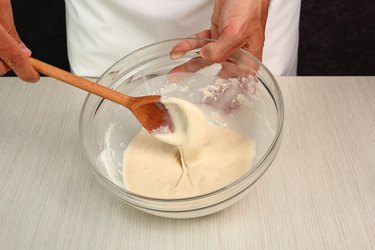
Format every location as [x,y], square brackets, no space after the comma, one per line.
[82,83]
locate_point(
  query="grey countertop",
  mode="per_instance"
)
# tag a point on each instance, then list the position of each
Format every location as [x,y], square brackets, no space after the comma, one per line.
[319,193]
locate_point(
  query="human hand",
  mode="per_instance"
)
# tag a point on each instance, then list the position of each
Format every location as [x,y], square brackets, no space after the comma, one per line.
[229,83]
[13,52]
[235,24]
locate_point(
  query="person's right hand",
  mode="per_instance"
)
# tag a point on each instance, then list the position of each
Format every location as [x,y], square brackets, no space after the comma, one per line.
[13,52]
[235,24]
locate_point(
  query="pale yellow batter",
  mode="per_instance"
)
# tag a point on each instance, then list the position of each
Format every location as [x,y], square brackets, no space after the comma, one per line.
[212,156]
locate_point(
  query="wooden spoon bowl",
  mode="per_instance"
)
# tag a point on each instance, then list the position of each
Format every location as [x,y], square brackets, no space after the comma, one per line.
[149,111]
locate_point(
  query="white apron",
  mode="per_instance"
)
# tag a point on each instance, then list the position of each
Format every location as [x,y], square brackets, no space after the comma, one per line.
[100,32]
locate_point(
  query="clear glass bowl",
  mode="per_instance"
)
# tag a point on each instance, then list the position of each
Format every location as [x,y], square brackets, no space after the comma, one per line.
[107,128]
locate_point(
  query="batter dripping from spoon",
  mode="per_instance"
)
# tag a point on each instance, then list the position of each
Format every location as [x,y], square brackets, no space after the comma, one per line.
[197,158]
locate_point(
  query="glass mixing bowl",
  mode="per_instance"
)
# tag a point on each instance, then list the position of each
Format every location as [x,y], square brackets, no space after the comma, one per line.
[107,128]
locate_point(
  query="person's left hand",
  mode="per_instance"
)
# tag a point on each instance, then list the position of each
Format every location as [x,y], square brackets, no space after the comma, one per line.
[235,24]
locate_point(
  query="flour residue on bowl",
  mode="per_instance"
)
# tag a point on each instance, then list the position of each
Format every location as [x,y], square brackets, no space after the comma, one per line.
[107,155]
[229,94]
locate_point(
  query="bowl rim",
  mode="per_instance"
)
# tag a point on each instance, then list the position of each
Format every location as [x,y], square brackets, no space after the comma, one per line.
[250,173]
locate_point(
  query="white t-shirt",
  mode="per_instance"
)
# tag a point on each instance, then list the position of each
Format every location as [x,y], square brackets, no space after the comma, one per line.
[102,32]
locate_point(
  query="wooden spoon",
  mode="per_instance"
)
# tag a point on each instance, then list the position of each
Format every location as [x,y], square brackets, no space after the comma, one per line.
[149,111]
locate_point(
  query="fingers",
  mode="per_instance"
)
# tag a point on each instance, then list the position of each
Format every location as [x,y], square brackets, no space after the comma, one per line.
[193,65]
[187,45]
[227,43]
[3,68]
[14,56]
[235,25]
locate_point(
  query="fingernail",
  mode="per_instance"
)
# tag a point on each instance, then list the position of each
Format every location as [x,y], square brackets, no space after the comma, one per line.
[34,80]
[177,54]
[25,49]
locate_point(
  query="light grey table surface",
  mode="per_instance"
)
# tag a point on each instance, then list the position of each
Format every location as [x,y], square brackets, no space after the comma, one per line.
[319,193]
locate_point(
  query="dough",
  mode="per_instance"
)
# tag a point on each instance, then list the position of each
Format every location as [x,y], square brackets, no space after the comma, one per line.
[197,158]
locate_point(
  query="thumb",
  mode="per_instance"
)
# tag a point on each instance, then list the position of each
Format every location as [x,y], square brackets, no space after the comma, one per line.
[24,49]
[14,34]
